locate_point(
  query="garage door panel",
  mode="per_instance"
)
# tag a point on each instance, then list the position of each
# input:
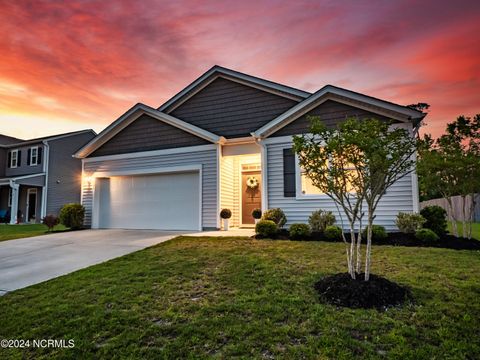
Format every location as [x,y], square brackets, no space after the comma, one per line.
[167,201]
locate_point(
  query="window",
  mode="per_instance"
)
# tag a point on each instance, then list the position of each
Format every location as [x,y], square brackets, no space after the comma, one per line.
[13,158]
[33,155]
[306,189]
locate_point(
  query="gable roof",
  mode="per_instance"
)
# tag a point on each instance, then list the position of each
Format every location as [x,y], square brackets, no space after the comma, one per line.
[45,138]
[249,80]
[6,140]
[330,92]
[131,115]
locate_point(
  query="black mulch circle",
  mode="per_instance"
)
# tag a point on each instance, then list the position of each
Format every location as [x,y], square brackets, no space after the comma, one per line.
[378,292]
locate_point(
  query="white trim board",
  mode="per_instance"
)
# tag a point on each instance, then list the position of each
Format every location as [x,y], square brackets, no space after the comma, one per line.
[181,150]
[158,170]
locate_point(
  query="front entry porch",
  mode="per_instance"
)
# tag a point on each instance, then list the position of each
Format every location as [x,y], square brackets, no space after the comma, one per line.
[241,185]
[21,200]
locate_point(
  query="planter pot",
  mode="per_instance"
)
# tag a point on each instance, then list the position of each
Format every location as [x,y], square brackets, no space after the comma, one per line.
[256,221]
[225,224]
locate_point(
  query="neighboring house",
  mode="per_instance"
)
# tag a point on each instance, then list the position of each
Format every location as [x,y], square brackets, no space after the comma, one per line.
[209,146]
[38,176]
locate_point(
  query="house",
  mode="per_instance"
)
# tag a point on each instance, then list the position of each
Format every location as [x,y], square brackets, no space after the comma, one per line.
[224,141]
[39,176]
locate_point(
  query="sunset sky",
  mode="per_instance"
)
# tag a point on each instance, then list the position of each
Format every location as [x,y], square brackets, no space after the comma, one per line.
[80,64]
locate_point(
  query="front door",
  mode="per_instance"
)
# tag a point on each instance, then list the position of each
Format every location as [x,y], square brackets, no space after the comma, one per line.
[251,195]
[31,204]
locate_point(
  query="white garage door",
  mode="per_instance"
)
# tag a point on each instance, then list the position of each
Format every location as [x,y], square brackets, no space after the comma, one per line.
[167,201]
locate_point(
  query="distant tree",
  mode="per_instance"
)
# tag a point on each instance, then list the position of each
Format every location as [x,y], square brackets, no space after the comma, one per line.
[355,164]
[450,165]
[419,106]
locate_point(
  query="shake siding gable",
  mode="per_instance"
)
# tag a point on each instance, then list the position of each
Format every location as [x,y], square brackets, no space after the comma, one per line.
[230,109]
[145,134]
[331,113]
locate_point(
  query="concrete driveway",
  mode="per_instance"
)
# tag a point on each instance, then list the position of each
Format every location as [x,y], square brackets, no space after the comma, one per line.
[28,261]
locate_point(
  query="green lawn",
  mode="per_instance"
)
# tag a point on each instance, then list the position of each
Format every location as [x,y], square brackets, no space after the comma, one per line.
[235,297]
[475,229]
[9,232]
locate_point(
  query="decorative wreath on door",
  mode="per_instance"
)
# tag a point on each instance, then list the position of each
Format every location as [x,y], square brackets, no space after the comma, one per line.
[252,182]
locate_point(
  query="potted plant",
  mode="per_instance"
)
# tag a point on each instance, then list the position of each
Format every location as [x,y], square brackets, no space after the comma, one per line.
[225,214]
[257,215]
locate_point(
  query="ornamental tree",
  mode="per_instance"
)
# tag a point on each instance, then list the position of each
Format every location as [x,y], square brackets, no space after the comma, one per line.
[354,164]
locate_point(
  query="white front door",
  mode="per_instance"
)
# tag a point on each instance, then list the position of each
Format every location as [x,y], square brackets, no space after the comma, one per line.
[167,201]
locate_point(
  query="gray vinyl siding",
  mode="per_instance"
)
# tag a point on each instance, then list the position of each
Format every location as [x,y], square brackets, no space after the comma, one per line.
[398,197]
[3,162]
[230,109]
[207,158]
[331,113]
[24,169]
[65,171]
[145,134]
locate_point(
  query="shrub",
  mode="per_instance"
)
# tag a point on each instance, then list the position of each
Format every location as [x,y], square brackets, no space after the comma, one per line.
[426,235]
[436,219]
[299,231]
[333,232]
[50,221]
[320,219]
[276,215]
[257,213]
[266,228]
[226,214]
[409,223]
[72,215]
[378,232]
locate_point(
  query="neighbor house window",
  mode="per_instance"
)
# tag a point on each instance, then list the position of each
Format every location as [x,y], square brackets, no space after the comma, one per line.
[13,158]
[33,155]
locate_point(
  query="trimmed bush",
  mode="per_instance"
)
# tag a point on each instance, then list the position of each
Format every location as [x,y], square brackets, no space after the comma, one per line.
[426,235]
[320,219]
[72,215]
[333,232]
[266,228]
[226,214]
[299,231]
[50,221]
[409,223]
[257,213]
[436,219]
[276,215]
[378,232]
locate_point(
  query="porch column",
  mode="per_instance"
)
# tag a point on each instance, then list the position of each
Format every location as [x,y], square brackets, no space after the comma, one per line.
[14,207]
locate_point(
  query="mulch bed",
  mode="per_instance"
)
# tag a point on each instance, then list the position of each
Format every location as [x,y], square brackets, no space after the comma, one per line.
[400,239]
[378,293]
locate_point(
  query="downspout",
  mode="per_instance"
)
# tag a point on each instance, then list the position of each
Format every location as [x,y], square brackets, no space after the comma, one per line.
[45,170]
[264,167]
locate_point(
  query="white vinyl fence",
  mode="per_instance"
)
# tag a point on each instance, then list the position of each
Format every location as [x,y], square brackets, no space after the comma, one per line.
[457,206]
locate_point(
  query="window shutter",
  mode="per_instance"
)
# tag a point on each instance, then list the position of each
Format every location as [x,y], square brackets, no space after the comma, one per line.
[289,173]
[9,161]
[29,154]
[19,158]
[39,155]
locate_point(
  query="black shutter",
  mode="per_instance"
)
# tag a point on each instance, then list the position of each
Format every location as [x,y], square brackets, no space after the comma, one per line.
[9,161]
[29,154]
[19,158]
[289,173]
[39,155]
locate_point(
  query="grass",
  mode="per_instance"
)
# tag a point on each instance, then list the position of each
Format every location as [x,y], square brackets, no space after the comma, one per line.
[237,297]
[475,229]
[9,232]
